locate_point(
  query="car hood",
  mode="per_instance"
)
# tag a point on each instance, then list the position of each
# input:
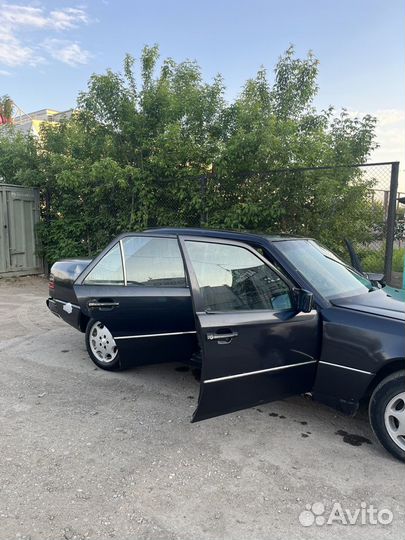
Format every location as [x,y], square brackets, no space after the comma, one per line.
[376,303]
[396,294]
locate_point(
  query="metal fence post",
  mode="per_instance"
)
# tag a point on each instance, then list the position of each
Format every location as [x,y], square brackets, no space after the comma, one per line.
[203,198]
[391,218]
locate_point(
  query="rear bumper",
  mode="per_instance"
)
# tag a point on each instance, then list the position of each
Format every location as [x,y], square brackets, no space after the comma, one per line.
[52,306]
[66,311]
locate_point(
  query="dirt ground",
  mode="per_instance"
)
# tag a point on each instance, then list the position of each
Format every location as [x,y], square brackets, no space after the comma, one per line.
[91,454]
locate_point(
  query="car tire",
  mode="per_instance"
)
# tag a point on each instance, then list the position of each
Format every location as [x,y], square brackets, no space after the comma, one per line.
[387,413]
[101,346]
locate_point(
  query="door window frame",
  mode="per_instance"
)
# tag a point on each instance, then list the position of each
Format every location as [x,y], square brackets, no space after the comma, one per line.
[88,270]
[191,277]
[80,280]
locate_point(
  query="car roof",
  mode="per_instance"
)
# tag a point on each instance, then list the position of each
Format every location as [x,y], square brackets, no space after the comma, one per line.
[228,234]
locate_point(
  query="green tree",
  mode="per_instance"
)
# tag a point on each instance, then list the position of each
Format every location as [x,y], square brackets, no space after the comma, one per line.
[6,109]
[135,150]
[19,160]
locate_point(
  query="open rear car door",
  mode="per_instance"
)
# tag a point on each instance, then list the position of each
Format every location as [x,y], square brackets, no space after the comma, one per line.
[137,288]
[256,345]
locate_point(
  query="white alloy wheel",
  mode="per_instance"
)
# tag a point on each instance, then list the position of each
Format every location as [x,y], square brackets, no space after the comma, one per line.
[102,343]
[394,418]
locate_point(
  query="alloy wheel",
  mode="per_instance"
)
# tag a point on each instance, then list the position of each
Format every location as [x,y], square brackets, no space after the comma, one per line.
[394,418]
[102,343]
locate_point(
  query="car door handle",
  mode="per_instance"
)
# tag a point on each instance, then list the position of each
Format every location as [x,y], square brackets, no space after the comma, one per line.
[211,336]
[101,305]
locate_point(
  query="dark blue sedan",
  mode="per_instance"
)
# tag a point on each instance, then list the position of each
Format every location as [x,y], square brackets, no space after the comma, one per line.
[265,317]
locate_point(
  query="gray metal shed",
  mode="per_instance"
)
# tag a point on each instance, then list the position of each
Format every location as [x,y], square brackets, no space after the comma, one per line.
[19,213]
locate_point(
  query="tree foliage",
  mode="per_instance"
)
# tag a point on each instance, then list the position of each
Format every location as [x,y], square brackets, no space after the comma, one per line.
[6,109]
[157,145]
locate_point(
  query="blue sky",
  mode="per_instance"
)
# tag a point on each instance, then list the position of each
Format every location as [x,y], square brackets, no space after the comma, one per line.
[49,49]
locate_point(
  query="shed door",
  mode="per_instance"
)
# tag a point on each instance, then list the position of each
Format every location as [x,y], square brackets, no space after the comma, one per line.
[4,253]
[21,210]
[255,346]
[19,213]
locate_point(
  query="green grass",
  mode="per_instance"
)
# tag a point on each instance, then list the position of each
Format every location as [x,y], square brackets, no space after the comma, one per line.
[373,261]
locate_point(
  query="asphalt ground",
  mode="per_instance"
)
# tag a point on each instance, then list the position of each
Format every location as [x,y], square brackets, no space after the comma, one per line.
[86,453]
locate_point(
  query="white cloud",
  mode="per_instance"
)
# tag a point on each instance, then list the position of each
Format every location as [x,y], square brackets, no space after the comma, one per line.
[4,73]
[17,15]
[36,17]
[67,52]
[390,133]
[13,52]
[389,117]
[390,137]
[18,47]
[68,18]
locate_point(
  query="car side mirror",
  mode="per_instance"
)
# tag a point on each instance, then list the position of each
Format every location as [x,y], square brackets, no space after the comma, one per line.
[376,278]
[304,300]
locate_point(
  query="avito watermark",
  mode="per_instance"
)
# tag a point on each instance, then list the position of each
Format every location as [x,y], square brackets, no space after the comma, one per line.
[365,514]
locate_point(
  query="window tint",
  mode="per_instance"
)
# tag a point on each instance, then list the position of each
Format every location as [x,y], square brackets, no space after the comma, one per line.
[153,262]
[323,269]
[231,278]
[108,271]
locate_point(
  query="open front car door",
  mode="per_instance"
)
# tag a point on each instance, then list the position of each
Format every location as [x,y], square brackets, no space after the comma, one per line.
[257,346]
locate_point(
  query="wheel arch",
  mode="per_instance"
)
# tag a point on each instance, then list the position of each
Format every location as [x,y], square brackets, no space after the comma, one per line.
[83,321]
[392,366]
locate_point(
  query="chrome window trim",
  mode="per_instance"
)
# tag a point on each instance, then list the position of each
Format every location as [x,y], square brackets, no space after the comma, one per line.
[124,268]
[258,372]
[123,261]
[156,335]
[93,265]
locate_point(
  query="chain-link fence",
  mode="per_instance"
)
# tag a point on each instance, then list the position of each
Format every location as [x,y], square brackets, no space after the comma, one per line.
[385,251]
[332,204]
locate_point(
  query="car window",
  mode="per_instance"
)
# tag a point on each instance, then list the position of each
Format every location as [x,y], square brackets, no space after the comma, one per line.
[232,278]
[153,262]
[108,271]
[264,253]
[324,270]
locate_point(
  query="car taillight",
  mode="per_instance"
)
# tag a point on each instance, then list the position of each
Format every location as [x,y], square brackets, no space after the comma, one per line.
[51,282]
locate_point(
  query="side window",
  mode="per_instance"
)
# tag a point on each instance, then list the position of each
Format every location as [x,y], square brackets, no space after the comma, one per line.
[232,278]
[153,262]
[108,271]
